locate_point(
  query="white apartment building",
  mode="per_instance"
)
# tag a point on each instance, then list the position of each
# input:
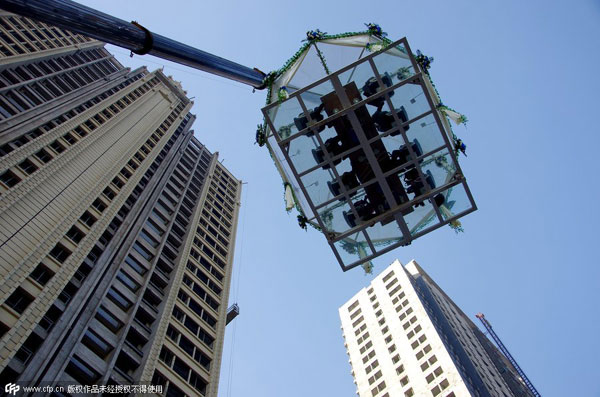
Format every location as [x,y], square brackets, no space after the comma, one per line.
[406,337]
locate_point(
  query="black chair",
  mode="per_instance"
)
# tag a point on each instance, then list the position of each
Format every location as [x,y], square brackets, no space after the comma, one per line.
[415,183]
[371,87]
[402,156]
[439,199]
[403,116]
[385,120]
[349,218]
[349,181]
[334,147]
[301,121]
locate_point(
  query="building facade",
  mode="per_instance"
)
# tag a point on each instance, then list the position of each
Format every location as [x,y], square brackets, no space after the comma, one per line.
[406,337]
[117,226]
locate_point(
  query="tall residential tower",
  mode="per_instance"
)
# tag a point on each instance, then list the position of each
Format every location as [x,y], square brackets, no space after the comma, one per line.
[406,337]
[117,226]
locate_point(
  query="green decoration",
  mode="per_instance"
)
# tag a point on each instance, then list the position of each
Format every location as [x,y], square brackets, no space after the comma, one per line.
[375,30]
[367,267]
[283,94]
[302,221]
[322,58]
[261,137]
[403,73]
[457,226]
[349,247]
[285,131]
[424,61]
[316,34]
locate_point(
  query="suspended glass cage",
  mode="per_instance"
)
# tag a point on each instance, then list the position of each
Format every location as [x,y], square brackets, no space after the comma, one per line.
[364,145]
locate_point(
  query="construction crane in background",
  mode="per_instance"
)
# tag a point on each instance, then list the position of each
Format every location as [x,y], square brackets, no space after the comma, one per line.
[507,354]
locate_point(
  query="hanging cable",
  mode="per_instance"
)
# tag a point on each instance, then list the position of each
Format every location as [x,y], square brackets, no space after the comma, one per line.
[235,294]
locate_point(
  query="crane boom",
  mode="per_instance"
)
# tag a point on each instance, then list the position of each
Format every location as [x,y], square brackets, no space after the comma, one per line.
[507,354]
[78,18]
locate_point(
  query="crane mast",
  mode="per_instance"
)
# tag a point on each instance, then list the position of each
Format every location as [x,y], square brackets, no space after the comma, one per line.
[507,354]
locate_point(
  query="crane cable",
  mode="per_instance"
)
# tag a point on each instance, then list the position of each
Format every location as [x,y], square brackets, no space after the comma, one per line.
[235,297]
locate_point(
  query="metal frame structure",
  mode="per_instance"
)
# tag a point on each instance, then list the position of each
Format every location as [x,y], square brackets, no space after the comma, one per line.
[386,199]
[365,144]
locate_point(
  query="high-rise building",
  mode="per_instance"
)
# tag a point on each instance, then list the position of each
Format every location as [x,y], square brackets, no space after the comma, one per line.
[406,337]
[117,226]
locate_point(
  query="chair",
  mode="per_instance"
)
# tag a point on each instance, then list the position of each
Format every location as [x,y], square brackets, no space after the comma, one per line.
[301,121]
[371,87]
[349,181]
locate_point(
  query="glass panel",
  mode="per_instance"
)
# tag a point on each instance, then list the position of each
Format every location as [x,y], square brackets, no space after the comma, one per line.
[334,216]
[353,248]
[440,166]
[359,78]
[426,132]
[282,116]
[302,151]
[396,63]
[422,217]
[385,233]
[321,186]
[312,97]
[456,201]
[412,99]
[339,56]
[309,71]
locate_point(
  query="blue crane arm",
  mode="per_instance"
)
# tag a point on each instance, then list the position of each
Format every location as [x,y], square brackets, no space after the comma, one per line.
[78,18]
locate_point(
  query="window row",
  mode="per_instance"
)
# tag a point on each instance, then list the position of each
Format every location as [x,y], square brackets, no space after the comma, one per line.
[182,369]
[24,35]
[12,177]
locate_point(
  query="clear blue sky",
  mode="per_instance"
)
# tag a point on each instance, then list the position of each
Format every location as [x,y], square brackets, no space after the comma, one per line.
[526,75]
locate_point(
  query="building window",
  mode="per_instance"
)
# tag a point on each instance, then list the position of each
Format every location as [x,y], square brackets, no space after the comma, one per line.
[44,156]
[143,251]
[9,178]
[128,281]
[60,253]
[166,356]
[19,300]
[57,146]
[28,167]
[81,372]
[88,219]
[96,344]
[41,274]
[75,234]
[108,319]
[149,239]
[135,265]
[99,205]
[388,276]
[118,299]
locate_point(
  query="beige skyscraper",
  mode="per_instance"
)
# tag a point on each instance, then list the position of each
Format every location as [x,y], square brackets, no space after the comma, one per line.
[406,337]
[117,226]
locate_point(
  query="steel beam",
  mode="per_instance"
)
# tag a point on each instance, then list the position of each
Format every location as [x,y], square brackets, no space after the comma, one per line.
[77,18]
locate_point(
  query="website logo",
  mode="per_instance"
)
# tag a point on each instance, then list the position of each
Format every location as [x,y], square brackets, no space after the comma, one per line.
[11,388]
